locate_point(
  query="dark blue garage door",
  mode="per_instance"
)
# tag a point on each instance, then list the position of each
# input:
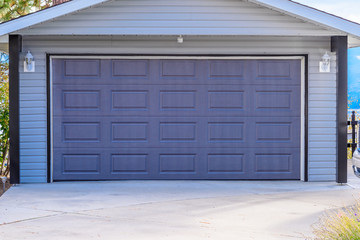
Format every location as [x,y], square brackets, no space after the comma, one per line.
[176,119]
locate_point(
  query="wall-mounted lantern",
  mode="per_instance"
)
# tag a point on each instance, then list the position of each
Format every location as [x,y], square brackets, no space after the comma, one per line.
[324,66]
[29,63]
[180,39]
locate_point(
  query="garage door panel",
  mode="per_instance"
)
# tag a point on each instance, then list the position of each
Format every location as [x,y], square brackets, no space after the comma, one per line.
[129,100]
[78,100]
[130,69]
[176,119]
[276,101]
[185,70]
[226,100]
[280,163]
[226,132]
[276,72]
[78,71]
[226,69]
[129,163]
[129,132]
[78,165]
[176,100]
[78,131]
[276,132]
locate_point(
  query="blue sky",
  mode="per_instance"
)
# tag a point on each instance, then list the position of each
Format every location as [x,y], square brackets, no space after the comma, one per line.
[348,9]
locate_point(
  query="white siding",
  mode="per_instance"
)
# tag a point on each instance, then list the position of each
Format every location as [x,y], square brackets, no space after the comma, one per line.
[172,17]
[322,87]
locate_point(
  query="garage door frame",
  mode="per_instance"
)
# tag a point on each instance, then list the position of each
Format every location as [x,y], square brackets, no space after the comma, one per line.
[303,93]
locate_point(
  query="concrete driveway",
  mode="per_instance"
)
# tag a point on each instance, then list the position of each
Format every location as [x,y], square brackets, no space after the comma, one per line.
[169,209]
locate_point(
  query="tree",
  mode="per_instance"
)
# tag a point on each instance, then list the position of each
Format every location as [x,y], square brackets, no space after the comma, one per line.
[10,9]
[4,114]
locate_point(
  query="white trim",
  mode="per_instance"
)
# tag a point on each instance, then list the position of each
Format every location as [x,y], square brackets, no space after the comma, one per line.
[46,15]
[302,121]
[302,117]
[51,123]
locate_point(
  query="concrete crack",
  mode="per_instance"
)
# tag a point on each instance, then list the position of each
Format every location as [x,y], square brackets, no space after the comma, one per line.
[30,219]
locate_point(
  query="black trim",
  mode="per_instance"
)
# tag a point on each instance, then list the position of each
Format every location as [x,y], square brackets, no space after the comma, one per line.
[339,44]
[48,117]
[15,45]
[48,58]
[306,140]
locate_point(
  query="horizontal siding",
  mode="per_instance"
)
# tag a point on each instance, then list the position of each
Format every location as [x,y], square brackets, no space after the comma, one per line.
[322,100]
[37,179]
[322,178]
[171,17]
[33,166]
[28,160]
[322,138]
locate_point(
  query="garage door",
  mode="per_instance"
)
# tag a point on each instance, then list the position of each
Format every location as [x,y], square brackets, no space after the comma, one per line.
[176,119]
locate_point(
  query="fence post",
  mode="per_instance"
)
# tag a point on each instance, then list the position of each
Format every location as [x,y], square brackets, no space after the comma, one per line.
[353,124]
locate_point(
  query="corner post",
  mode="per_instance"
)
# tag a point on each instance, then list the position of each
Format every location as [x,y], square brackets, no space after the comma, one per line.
[339,44]
[15,45]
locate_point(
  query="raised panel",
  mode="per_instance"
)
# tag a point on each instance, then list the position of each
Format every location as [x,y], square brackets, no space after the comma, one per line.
[226,100]
[178,100]
[127,163]
[226,69]
[271,69]
[273,132]
[272,100]
[81,132]
[81,163]
[81,100]
[225,132]
[82,68]
[226,163]
[265,163]
[178,68]
[129,100]
[177,163]
[177,132]
[129,132]
[130,68]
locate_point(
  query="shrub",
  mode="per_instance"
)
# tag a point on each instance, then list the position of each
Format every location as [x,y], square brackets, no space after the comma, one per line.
[339,224]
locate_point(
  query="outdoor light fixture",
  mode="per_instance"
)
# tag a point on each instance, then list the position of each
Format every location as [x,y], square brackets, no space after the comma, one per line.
[29,63]
[180,39]
[324,66]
